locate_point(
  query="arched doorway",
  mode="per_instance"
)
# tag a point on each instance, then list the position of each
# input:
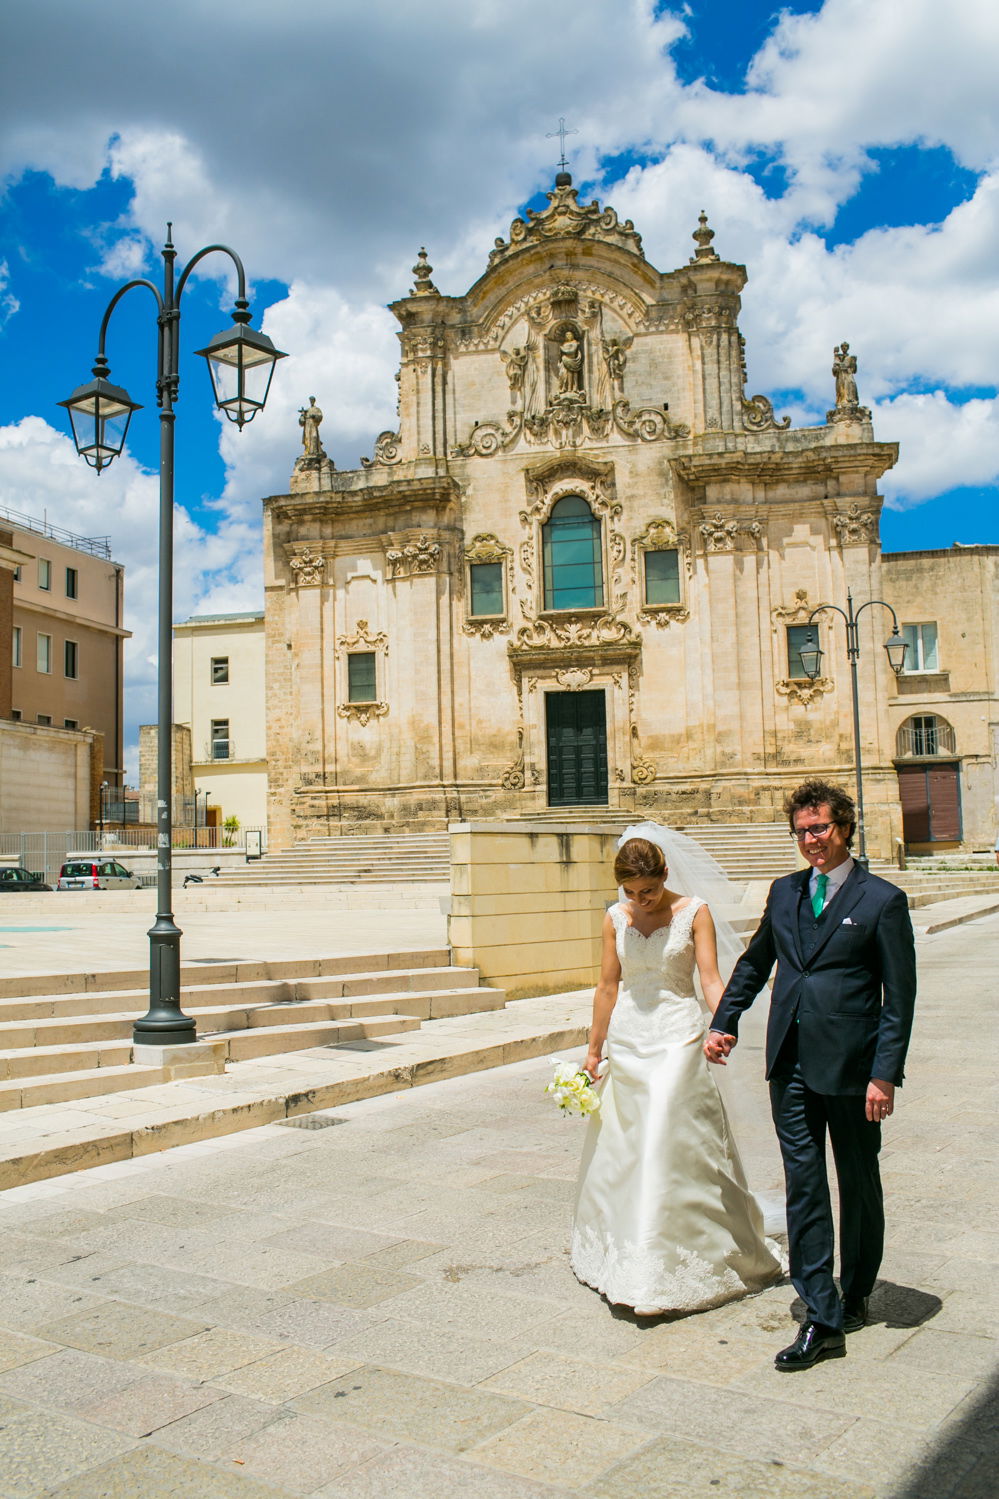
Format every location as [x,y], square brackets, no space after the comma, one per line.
[929,782]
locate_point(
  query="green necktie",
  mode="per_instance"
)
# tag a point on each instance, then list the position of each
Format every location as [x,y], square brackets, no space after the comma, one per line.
[819,898]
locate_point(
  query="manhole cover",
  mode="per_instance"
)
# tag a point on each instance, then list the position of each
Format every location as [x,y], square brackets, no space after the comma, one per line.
[311,1121]
[359,1046]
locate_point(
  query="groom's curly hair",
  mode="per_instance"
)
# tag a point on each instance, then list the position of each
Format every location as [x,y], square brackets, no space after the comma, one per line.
[813,794]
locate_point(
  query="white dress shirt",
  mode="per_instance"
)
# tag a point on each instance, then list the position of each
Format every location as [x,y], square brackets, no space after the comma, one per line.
[834,880]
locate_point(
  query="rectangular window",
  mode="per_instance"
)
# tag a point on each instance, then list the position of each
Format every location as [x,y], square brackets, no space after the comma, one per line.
[221,743]
[487,587]
[15,714]
[922,654]
[16,645]
[71,659]
[44,573]
[220,671]
[17,574]
[45,719]
[361,677]
[71,723]
[798,637]
[72,582]
[44,660]
[662,577]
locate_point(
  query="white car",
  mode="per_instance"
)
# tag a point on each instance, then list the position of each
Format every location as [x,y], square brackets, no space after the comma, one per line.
[96,874]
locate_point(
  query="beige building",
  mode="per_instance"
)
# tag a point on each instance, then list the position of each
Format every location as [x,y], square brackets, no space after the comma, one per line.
[67,635]
[218,683]
[580,572]
[945,716]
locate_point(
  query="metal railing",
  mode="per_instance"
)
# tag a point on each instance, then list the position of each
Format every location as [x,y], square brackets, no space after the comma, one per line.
[45,853]
[933,736]
[97,546]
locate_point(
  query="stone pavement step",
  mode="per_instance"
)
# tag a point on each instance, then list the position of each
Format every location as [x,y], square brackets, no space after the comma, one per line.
[47,1140]
[76,1042]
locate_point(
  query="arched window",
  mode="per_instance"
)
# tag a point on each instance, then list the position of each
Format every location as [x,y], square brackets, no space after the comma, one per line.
[925,734]
[571,556]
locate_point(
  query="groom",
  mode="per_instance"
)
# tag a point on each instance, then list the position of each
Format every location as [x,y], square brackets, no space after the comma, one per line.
[838,1031]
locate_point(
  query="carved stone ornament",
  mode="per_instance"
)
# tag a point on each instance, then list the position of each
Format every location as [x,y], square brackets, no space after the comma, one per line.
[422,271]
[719,534]
[361,640]
[574,678]
[663,615]
[805,693]
[855,526]
[787,613]
[307,569]
[386,450]
[758,416]
[570,631]
[565,218]
[416,557]
[362,713]
[568,422]
[643,772]
[703,236]
[512,778]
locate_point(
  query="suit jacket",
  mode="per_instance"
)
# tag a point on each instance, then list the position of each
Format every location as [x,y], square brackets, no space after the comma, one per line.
[852,998]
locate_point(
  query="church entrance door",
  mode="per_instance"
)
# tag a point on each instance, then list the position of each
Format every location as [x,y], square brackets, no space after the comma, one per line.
[577,749]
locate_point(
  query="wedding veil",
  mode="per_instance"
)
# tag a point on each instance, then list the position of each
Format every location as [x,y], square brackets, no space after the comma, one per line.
[693,871]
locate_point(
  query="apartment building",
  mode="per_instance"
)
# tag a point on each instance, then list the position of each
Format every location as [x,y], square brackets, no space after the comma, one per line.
[66,646]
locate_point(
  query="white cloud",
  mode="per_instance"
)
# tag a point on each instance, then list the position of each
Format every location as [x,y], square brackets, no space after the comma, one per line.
[9,304]
[942,446]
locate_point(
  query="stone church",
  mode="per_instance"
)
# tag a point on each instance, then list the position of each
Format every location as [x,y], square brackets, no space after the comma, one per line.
[579,574]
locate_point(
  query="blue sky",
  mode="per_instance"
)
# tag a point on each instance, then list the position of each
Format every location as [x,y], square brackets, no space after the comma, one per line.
[847,153]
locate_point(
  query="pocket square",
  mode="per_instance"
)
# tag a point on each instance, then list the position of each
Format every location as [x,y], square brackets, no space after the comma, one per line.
[847,922]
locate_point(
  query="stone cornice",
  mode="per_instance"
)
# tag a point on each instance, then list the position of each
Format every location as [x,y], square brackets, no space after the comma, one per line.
[783,465]
[437,492]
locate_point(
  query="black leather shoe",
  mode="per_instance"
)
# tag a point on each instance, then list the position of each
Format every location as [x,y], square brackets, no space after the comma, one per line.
[854,1313]
[814,1342]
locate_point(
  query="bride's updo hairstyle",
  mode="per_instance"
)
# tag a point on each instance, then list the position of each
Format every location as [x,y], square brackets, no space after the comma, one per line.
[638,859]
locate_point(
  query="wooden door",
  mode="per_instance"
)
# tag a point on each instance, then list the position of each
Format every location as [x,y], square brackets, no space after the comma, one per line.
[577,748]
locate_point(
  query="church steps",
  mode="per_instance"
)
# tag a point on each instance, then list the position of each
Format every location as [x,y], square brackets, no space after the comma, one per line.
[76,1042]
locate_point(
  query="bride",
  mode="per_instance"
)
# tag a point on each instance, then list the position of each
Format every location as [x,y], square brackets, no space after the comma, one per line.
[664,1221]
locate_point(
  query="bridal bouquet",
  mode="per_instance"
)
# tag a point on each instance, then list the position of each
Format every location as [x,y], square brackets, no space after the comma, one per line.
[572,1088]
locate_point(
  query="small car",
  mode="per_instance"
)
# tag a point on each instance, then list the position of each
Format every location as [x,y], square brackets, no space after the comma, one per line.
[96,874]
[15,878]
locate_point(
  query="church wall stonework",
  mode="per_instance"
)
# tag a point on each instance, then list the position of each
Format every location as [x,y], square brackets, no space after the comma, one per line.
[574,369]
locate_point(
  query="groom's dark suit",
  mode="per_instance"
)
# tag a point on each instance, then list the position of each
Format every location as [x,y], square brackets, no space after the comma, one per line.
[840,1015]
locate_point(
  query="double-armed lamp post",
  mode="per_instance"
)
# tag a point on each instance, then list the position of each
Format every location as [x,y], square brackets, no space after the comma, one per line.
[811,662]
[241,362]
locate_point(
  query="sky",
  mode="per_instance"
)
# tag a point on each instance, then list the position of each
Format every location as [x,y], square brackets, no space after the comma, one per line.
[846,152]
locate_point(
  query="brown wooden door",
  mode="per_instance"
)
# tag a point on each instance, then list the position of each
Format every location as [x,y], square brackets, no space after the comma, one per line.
[931,803]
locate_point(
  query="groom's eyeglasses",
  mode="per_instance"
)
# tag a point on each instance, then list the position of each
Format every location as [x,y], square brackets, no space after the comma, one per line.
[817,830]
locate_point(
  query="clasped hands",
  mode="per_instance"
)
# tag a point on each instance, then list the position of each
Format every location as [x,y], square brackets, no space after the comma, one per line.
[880,1101]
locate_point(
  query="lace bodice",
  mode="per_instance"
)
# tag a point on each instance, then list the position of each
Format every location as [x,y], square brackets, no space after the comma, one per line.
[656,1002]
[661,964]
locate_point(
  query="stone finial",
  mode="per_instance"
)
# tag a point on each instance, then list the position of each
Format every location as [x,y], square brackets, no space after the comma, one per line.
[703,235]
[422,269]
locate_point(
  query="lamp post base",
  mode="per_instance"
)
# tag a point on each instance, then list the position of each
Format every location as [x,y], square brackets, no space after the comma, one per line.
[165,1022]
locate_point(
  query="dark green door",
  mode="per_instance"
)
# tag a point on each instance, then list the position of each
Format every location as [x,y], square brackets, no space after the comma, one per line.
[577,749]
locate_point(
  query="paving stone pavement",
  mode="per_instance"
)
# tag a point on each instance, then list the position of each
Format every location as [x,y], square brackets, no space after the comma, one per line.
[382,1307]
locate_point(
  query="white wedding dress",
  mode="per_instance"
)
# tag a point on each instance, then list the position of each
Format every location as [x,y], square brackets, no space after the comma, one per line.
[664,1221]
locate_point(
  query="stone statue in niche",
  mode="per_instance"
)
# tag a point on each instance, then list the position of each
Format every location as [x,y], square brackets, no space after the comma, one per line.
[309,418]
[570,363]
[845,372]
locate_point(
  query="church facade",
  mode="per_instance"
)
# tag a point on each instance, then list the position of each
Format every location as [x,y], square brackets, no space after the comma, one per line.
[580,573]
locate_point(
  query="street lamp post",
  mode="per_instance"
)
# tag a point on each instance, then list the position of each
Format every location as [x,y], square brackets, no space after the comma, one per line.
[101,818]
[241,362]
[811,661]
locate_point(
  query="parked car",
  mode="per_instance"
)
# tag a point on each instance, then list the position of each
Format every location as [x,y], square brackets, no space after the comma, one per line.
[96,874]
[14,878]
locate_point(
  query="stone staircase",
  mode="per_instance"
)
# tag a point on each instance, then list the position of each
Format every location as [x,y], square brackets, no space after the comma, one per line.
[66,1037]
[382,858]
[747,850]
